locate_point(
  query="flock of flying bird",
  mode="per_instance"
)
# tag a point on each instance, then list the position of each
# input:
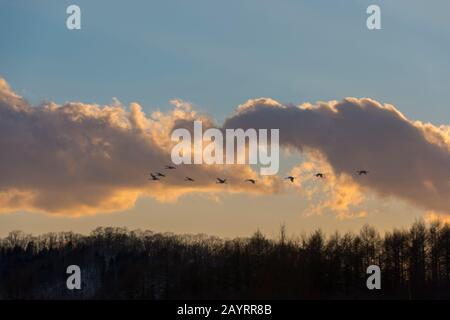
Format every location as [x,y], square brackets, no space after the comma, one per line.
[158,175]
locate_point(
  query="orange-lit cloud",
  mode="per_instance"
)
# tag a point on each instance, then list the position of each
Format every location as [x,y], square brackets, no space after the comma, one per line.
[405,159]
[338,194]
[78,159]
[431,216]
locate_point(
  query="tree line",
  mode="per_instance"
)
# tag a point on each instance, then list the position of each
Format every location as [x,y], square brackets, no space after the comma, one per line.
[120,264]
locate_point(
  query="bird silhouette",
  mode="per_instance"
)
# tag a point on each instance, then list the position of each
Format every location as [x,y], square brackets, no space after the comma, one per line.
[153,177]
[159,174]
[362,172]
[251,181]
[291,178]
[189,179]
[221,181]
[319,175]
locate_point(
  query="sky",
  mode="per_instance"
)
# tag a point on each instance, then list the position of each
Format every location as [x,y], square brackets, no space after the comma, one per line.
[215,56]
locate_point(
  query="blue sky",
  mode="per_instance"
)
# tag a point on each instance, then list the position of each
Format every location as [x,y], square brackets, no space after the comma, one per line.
[218,54]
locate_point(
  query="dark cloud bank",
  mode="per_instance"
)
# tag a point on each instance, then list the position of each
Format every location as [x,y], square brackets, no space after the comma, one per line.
[80,159]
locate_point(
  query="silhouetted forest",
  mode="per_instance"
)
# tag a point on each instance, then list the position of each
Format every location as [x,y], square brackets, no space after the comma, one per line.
[120,264]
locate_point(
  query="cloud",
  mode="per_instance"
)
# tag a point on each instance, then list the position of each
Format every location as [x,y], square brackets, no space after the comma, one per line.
[78,159]
[406,159]
[432,217]
[338,194]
